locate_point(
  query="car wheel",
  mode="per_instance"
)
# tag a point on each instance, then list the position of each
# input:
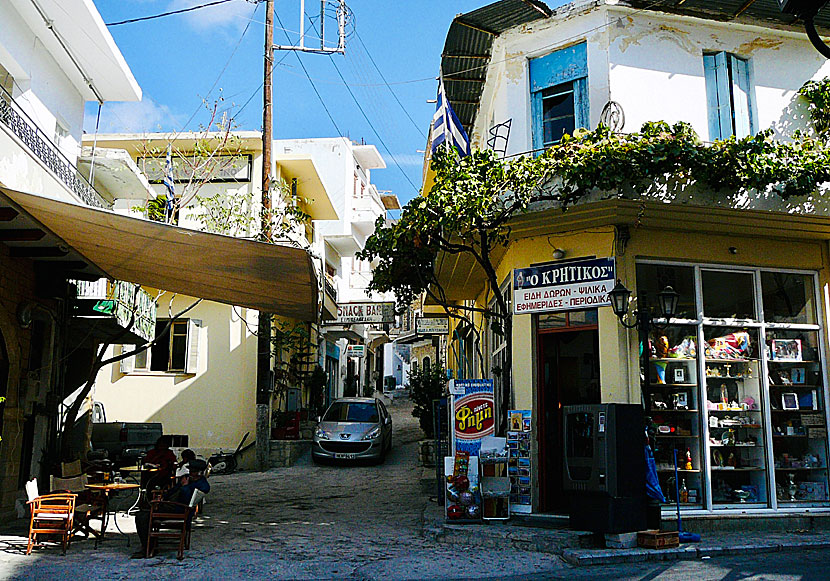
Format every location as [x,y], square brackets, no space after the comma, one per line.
[316,460]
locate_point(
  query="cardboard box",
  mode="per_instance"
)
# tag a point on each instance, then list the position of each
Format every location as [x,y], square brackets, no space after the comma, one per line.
[658,539]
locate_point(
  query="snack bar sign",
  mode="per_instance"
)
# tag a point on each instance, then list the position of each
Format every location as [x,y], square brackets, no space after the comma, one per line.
[562,287]
[348,313]
[473,413]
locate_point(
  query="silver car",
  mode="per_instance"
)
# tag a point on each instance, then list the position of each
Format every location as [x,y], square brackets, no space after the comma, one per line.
[353,428]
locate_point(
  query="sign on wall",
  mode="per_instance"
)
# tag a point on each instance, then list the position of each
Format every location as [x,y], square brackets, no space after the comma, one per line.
[473,412]
[579,284]
[432,325]
[348,313]
[355,350]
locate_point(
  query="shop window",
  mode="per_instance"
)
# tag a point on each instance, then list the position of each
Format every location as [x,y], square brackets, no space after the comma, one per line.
[729,95]
[177,350]
[559,94]
[567,319]
[788,298]
[728,294]
[652,278]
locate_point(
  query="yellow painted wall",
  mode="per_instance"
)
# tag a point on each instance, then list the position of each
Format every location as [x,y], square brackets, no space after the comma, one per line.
[216,406]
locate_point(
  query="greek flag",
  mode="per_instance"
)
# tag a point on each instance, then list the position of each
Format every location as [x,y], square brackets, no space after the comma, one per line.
[168,183]
[446,128]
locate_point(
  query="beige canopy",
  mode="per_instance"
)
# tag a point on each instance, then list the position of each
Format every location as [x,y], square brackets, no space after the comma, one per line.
[266,277]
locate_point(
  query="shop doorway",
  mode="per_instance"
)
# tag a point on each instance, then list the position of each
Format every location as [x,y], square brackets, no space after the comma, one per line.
[568,346]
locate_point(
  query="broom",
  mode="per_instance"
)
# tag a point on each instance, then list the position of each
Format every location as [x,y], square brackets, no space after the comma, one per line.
[682,535]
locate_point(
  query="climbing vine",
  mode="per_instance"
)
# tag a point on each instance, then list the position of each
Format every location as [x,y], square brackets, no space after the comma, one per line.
[817,94]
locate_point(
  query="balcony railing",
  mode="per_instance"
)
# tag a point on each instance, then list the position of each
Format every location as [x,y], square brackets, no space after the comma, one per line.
[331,287]
[29,133]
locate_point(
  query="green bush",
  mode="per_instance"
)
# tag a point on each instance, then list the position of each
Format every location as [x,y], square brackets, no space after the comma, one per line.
[426,384]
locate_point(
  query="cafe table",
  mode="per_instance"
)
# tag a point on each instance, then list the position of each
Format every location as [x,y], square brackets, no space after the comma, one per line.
[108,489]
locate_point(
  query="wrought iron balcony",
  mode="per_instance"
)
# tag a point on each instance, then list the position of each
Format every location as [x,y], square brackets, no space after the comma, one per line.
[41,146]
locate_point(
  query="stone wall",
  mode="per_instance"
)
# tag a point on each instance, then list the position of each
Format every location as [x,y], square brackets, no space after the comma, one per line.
[287,452]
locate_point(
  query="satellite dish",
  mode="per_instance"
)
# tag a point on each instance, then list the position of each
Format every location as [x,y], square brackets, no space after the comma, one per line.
[612,116]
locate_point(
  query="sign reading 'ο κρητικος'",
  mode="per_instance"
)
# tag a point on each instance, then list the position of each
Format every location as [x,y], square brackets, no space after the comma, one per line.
[579,284]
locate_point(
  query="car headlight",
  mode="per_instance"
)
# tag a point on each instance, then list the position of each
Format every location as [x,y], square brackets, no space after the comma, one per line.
[321,434]
[372,434]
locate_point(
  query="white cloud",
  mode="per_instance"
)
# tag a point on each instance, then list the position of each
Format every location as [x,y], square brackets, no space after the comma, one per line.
[140,117]
[230,15]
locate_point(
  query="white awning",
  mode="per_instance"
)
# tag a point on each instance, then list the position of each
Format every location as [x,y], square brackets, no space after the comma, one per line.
[266,277]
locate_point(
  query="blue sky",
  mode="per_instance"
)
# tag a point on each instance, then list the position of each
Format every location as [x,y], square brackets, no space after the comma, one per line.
[182,60]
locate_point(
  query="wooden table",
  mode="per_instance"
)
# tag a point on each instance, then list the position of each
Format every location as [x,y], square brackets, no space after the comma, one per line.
[109,489]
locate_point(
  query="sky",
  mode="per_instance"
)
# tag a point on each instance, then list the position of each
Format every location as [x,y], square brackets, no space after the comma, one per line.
[183,62]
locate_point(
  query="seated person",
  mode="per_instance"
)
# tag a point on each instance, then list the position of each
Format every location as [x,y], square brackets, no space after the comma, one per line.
[187,457]
[163,458]
[179,494]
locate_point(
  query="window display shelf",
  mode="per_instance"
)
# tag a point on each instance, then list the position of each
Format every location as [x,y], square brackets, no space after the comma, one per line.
[673,385]
[811,468]
[675,436]
[711,445]
[738,469]
[679,471]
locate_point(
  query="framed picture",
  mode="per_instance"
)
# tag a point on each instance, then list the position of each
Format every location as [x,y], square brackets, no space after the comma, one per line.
[797,375]
[680,375]
[789,401]
[680,400]
[786,349]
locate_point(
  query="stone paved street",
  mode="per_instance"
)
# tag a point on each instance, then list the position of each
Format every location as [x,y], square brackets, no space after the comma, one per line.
[304,522]
[358,522]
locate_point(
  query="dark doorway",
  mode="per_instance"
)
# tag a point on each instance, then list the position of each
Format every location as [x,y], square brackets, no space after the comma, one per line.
[568,375]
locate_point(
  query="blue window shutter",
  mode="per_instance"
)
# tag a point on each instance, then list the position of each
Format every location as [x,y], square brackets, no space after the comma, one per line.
[581,118]
[718,95]
[536,125]
[560,66]
[569,64]
[742,100]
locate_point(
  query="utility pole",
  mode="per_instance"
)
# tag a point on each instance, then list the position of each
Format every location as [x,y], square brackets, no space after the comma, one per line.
[263,397]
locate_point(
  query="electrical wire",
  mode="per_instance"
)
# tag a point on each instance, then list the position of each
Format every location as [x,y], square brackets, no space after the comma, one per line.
[313,86]
[371,125]
[170,13]
[386,83]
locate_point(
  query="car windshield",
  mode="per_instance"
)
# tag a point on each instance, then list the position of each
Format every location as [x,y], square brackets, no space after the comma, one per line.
[341,411]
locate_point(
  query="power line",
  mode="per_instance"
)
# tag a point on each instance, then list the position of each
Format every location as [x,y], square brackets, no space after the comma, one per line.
[385,82]
[313,86]
[143,18]
[362,112]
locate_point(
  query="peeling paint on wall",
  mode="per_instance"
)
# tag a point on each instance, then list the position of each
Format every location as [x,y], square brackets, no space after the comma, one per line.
[750,47]
[514,66]
[662,32]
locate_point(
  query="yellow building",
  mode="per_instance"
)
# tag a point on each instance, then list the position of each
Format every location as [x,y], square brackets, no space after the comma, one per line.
[201,380]
[735,381]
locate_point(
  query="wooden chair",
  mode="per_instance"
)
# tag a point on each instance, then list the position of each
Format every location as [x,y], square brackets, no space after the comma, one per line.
[89,506]
[172,520]
[52,514]
[70,469]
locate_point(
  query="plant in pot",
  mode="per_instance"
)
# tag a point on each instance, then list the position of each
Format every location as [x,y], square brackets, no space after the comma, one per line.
[316,385]
[279,424]
[426,384]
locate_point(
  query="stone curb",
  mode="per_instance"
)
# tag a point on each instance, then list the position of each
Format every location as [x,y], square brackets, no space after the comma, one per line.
[584,557]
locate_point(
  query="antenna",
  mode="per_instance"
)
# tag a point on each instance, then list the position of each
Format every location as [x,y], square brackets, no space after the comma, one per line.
[341,15]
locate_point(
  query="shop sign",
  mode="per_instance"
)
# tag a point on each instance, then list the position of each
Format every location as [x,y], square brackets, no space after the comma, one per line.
[563,287]
[432,326]
[356,351]
[348,313]
[473,413]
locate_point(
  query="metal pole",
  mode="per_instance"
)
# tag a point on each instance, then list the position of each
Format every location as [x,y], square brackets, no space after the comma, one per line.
[263,399]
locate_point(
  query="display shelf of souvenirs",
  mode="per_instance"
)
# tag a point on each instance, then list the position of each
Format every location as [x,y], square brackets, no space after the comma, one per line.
[792,489]
[724,491]
[807,461]
[462,493]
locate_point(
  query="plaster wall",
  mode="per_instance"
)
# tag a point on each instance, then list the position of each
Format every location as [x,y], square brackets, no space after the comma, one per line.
[650,63]
[217,405]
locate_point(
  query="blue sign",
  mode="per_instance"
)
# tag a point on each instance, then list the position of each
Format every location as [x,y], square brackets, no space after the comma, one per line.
[565,286]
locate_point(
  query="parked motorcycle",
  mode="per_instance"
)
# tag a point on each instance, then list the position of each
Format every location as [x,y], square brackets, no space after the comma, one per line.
[226,463]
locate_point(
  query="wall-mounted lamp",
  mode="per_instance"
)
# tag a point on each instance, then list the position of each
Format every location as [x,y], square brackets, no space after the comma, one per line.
[558,253]
[666,299]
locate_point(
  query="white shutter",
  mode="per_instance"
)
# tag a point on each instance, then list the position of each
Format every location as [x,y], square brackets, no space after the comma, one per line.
[193,331]
[128,364]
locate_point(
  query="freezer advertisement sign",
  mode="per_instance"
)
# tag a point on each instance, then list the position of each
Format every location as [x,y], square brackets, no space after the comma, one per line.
[473,413]
[579,284]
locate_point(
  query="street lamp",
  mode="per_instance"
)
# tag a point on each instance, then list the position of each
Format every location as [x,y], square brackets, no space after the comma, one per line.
[620,295]
[807,10]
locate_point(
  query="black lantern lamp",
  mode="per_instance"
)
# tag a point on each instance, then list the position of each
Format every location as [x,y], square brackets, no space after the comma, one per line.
[667,301]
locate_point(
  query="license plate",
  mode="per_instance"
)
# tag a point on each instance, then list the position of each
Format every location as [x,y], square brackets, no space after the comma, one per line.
[345,456]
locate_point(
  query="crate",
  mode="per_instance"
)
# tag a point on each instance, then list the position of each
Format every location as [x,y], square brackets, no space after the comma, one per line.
[658,539]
